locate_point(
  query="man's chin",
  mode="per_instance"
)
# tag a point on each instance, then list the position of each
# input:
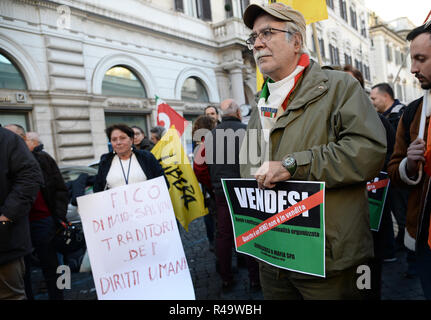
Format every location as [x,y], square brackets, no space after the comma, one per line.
[426,86]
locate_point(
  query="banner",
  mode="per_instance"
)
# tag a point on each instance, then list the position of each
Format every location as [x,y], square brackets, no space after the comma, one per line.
[184,189]
[284,226]
[133,243]
[377,192]
[168,117]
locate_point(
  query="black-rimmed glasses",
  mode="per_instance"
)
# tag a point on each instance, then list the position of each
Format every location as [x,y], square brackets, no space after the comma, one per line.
[264,36]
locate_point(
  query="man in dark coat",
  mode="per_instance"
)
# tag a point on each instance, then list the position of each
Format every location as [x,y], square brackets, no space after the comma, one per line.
[222,157]
[48,210]
[20,179]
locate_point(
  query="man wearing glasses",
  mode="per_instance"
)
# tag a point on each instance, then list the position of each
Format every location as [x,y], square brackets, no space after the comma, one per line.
[312,125]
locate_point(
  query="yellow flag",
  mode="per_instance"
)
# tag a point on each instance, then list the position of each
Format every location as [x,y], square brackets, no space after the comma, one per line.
[184,190]
[313,10]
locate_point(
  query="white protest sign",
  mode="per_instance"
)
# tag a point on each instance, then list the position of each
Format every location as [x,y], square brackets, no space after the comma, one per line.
[133,243]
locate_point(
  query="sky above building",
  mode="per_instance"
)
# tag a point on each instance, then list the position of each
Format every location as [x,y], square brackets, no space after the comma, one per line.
[415,10]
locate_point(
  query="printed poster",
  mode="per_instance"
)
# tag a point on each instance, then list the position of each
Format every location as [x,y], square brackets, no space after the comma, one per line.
[283,226]
[133,243]
[377,192]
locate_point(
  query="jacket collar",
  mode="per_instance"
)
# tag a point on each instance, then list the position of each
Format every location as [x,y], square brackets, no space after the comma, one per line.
[39,148]
[312,85]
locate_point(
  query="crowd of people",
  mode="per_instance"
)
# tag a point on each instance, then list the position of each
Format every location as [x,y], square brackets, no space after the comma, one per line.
[314,124]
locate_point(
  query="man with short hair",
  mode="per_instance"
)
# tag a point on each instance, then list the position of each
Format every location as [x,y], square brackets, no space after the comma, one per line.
[212,112]
[382,97]
[221,155]
[312,125]
[32,140]
[20,179]
[46,214]
[410,165]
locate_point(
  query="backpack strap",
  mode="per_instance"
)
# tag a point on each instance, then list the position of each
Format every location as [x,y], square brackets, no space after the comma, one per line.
[408,115]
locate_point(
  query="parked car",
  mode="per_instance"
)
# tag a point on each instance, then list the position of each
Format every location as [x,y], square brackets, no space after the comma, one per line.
[70,175]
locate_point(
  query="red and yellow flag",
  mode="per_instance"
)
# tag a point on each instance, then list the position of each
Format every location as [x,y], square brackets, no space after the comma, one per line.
[186,195]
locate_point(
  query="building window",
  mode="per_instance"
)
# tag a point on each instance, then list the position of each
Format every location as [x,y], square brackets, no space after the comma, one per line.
[120,81]
[10,76]
[321,46]
[363,29]
[347,59]
[343,10]
[397,57]
[20,117]
[335,58]
[228,8]
[194,91]
[388,53]
[359,66]
[204,9]
[244,5]
[367,72]
[179,5]
[353,20]
[330,4]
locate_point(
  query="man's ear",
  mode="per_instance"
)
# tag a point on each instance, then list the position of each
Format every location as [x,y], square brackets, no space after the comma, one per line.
[296,38]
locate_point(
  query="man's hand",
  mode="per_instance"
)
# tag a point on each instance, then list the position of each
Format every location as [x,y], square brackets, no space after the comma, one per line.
[271,172]
[415,155]
[3,218]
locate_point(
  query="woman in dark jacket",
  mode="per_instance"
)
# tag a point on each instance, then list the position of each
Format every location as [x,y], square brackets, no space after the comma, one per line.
[126,164]
[140,141]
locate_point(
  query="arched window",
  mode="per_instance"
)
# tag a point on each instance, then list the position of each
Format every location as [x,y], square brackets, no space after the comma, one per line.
[194,91]
[10,76]
[120,81]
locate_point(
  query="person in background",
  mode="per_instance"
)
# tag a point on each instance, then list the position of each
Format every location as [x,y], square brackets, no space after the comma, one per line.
[411,161]
[228,168]
[140,141]
[383,239]
[382,97]
[20,180]
[46,215]
[205,124]
[213,113]
[156,134]
[125,165]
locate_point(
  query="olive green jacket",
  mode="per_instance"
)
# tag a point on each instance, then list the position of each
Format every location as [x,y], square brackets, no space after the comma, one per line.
[335,135]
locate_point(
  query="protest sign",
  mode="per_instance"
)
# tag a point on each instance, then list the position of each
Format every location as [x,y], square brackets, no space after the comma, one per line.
[133,243]
[283,226]
[377,192]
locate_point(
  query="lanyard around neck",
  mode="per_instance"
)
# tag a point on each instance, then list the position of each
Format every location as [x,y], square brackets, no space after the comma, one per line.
[126,179]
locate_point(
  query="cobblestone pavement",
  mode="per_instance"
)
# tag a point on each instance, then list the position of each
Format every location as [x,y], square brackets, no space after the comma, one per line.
[207,284]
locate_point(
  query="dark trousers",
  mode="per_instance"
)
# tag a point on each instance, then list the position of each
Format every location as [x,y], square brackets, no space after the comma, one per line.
[225,243]
[12,280]
[384,246]
[281,284]
[42,233]
[209,219]
[398,198]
